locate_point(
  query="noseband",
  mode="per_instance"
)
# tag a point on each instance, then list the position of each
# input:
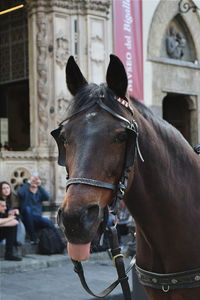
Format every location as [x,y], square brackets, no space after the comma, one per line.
[132,128]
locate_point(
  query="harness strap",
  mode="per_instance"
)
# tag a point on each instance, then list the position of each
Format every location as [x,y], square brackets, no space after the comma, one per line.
[91,182]
[112,112]
[119,263]
[170,281]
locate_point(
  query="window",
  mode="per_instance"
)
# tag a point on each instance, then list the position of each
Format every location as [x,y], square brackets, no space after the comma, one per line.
[14,84]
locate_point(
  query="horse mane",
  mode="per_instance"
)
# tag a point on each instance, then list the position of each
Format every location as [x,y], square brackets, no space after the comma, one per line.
[89,94]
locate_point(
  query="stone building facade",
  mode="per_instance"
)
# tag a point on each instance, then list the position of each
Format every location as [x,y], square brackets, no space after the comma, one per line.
[56,30]
[34,100]
[172,79]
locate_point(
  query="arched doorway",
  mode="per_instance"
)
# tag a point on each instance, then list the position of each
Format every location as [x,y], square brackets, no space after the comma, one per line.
[177,111]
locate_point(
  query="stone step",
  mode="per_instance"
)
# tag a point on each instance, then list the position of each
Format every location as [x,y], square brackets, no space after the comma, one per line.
[23,250]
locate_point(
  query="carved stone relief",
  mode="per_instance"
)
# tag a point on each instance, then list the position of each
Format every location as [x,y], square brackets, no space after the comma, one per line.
[97,41]
[62,104]
[175,43]
[78,5]
[62,50]
[97,49]
[178,41]
[42,82]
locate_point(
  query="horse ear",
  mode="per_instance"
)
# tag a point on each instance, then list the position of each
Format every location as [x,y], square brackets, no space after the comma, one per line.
[74,77]
[116,76]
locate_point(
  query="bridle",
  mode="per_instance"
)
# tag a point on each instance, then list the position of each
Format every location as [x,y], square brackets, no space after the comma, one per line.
[119,189]
[132,147]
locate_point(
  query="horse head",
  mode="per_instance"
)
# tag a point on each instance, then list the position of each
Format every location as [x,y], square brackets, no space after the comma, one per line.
[96,145]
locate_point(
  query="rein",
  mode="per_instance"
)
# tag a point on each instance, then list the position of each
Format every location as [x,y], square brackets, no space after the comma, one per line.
[118,259]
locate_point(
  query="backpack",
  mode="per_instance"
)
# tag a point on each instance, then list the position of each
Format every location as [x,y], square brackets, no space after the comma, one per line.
[50,242]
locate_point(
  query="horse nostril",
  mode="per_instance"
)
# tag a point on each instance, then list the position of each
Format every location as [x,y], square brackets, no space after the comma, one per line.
[89,215]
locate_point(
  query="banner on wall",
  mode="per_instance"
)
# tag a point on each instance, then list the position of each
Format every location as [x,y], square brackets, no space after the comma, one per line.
[128,42]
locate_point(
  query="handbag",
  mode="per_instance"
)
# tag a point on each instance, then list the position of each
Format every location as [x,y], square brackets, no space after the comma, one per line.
[21,233]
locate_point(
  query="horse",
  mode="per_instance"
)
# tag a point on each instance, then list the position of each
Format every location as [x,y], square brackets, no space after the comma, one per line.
[111,145]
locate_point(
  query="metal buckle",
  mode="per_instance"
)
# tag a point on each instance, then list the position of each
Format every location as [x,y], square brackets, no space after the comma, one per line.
[116,256]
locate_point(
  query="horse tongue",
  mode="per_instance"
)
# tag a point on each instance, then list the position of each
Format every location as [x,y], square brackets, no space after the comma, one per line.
[79,252]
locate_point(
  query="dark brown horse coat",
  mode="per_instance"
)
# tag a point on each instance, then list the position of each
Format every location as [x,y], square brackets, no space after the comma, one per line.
[163,193]
[164,201]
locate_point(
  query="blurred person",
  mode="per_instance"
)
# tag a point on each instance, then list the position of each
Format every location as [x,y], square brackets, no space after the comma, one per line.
[6,193]
[8,231]
[12,204]
[31,196]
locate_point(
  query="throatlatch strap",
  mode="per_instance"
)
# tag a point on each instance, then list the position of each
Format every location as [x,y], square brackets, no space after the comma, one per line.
[119,263]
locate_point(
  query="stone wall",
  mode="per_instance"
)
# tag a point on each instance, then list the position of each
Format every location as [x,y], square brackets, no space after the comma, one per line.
[174,75]
[57,29]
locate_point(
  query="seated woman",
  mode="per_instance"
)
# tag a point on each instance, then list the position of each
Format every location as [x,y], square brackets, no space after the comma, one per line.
[12,203]
[8,231]
[6,193]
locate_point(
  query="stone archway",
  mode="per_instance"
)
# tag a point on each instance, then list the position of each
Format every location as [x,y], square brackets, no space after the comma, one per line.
[163,15]
[179,110]
[176,76]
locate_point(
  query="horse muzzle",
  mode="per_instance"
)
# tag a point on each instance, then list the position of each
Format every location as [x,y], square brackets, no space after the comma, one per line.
[80,225]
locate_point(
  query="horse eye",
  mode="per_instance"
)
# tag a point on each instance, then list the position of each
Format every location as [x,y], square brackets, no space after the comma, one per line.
[121,137]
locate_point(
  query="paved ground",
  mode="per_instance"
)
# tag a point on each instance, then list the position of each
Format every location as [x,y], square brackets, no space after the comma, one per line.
[52,278]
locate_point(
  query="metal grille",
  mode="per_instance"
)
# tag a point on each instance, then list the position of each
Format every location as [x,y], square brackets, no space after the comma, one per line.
[13,44]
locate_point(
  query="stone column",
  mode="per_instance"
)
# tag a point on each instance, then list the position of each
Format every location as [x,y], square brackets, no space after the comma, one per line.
[58,29]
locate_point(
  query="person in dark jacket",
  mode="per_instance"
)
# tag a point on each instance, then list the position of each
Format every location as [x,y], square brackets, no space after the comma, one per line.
[8,231]
[31,196]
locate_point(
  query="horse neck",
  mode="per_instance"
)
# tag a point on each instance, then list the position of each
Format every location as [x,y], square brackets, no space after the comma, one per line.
[162,194]
[169,160]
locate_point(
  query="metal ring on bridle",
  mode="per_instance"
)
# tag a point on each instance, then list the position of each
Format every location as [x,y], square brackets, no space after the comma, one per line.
[116,256]
[165,289]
